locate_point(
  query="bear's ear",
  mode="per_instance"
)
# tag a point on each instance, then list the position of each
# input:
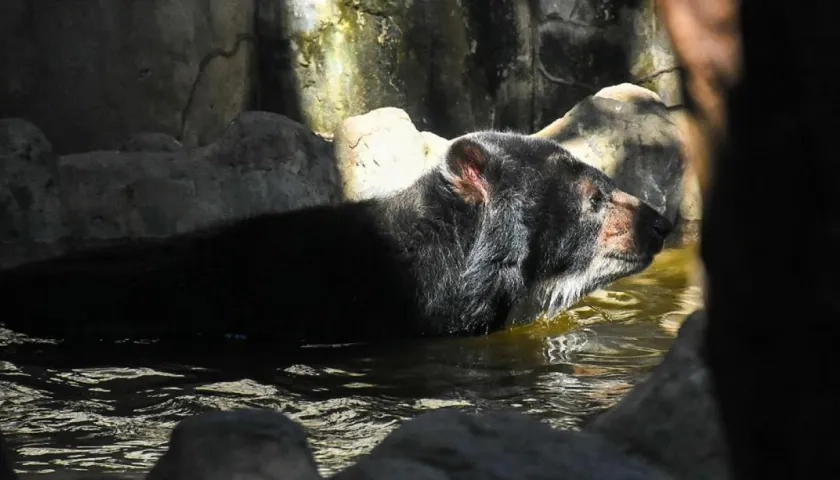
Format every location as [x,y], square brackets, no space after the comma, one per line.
[466,161]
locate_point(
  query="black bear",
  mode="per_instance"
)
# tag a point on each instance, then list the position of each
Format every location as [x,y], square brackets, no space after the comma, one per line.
[449,255]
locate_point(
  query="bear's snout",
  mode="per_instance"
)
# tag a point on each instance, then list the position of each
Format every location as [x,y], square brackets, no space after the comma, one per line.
[632,227]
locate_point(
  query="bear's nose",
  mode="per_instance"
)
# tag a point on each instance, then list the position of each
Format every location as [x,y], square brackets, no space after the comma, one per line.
[662,226]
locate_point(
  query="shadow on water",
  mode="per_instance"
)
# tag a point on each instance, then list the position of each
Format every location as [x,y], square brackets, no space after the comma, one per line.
[112,409]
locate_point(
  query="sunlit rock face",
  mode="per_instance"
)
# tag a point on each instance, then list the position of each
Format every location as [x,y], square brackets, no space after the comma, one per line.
[455,65]
[325,60]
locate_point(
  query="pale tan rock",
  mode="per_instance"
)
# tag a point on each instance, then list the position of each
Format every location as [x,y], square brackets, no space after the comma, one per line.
[381,152]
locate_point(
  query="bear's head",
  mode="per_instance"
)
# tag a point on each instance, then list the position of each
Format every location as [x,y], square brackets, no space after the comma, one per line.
[565,224]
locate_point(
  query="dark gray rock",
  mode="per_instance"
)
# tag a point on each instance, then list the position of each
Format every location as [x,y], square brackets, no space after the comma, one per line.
[263,162]
[455,445]
[91,73]
[244,444]
[29,191]
[187,68]
[671,418]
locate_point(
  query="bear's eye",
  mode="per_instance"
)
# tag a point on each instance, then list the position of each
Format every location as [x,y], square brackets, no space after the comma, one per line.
[597,199]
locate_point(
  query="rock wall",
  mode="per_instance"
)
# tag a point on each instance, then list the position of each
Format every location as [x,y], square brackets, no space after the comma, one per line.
[51,203]
[92,73]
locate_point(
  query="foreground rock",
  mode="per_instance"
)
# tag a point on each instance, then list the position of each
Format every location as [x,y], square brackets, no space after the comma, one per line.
[449,444]
[238,444]
[262,162]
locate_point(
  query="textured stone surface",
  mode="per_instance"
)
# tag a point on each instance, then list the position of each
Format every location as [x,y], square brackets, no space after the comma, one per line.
[263,162]
[328,60]
[382,151]
[91,73]
[449,444]
[246,444]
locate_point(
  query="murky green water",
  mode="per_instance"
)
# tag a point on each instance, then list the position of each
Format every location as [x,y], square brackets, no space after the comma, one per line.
[113,409]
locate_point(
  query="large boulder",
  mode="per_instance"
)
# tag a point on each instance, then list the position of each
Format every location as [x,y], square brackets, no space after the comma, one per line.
[628,132]
[552,53]
[91,73]
[256,444]
[456,445]
[263,162]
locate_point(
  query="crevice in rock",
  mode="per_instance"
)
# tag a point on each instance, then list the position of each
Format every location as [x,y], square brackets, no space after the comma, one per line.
[202,66]
[661,71]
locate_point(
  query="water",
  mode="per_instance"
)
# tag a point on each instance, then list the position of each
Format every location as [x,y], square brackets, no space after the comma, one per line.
[111,410]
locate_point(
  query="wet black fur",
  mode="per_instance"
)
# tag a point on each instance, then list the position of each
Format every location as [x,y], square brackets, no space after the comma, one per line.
[422,262]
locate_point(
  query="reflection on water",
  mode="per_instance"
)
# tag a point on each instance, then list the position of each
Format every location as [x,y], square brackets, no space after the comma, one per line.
[112,409]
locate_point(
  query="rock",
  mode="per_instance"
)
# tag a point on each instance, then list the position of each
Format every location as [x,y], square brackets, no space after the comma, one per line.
[381,152]
[187,68]
[450,444]
[151,142]
[92,73]
[671,419]
[628,132]
[263,162]
[299,167]
[29,194]
[256,444]
[651,59]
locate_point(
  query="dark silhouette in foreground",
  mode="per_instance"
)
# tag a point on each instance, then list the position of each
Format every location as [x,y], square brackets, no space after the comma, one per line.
[761,132]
